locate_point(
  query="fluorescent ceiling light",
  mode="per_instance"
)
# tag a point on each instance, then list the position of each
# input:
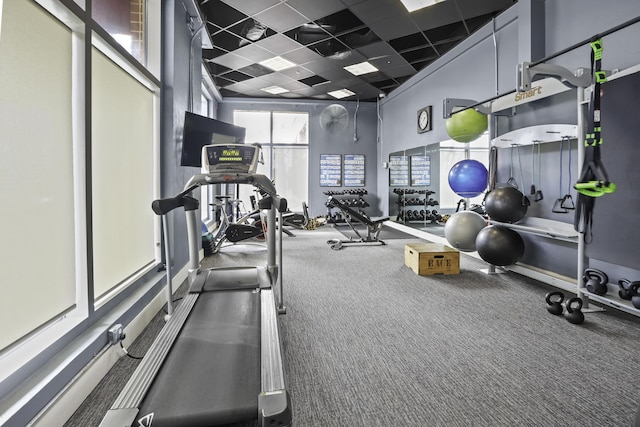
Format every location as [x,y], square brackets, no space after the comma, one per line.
[277,63]
[274,90]
[412,5]
[361,68]
[342,93]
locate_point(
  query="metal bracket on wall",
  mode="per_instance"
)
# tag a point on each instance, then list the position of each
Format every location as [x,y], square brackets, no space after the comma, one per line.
[526,72]
[450,105]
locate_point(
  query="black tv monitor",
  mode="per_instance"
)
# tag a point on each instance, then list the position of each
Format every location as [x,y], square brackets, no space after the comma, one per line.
[200,131]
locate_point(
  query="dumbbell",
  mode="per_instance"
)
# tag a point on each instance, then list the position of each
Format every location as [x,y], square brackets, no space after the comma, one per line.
[595,281]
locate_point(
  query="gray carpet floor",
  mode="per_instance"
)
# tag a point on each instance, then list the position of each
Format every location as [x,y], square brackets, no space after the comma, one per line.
[370,343]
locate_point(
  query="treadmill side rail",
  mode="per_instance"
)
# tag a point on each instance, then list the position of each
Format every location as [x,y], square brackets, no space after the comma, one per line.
[272,369]
[120,417]
[274,408]
[134,391]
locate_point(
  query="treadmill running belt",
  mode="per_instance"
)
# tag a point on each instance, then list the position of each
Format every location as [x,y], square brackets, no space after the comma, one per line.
[211,376]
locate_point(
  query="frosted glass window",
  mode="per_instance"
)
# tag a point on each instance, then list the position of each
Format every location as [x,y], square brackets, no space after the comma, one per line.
[122,174]
[290,173]
[290,128]
[257,124]
[36,170]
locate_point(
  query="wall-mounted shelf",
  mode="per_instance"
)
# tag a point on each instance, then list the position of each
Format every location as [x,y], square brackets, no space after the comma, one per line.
[543,227]
[536,134]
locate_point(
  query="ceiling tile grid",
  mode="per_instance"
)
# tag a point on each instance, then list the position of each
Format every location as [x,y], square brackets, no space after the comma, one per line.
[320,38]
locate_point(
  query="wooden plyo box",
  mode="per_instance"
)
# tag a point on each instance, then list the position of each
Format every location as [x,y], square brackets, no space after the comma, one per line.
[427,259]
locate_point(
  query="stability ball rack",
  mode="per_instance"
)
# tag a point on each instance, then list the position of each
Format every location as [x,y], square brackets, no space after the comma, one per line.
[556,80]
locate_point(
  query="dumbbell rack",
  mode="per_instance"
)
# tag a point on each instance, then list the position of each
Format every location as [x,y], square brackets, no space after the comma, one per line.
[334,216]
[413,206]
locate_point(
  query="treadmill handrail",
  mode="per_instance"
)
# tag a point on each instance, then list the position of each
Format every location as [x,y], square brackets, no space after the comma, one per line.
[255,179]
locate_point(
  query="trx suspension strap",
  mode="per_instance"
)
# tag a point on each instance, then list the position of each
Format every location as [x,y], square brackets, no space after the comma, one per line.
[593,181]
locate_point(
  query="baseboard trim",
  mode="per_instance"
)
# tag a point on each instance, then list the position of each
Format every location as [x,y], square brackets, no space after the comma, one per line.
[62,407]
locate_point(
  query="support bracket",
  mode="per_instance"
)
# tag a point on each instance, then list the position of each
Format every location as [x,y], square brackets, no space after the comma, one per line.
[526,73]
[450,105]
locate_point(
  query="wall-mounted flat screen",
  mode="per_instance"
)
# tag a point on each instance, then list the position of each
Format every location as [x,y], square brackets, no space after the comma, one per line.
[200,131]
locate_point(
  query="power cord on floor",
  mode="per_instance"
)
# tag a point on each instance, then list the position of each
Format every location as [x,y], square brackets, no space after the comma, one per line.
[127,353]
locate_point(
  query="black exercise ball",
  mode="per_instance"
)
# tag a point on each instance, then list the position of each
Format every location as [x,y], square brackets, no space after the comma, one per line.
[505,204]
[499,245]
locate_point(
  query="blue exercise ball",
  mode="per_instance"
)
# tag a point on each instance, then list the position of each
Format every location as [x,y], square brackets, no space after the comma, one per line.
[468,178]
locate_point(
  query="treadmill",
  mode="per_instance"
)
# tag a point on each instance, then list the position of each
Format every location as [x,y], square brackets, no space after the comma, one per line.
[218,359]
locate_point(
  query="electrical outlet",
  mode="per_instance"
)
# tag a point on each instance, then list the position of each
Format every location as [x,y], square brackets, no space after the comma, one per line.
[116,334]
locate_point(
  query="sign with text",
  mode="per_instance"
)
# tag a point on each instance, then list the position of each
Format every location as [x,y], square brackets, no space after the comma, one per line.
[421,170]
[398,171]
[330,170]
[354,170]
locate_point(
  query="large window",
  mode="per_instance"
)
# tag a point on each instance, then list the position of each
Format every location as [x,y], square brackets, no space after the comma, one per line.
[124,20]
[64,235]
[37,228]
[284,137]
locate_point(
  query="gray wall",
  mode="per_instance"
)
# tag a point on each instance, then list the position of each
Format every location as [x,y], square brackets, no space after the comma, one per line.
[322,142]
[479,69]
[175,101]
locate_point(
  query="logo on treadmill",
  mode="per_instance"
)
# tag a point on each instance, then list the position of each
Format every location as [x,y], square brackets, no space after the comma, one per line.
[146,420]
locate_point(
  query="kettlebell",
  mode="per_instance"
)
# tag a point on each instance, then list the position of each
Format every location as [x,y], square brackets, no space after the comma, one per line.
[574,313]
[555,307]
[635,298]
[595,281]
[625,291]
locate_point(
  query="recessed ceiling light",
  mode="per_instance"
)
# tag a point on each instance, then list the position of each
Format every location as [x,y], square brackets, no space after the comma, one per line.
[361,68]
[412,5]
[342,93]
[277,63]
[274,90]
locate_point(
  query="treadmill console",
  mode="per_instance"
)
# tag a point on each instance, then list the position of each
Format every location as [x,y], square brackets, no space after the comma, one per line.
[240,158]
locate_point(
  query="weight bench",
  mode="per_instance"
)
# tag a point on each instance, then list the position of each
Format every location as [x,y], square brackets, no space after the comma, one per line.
[374,225]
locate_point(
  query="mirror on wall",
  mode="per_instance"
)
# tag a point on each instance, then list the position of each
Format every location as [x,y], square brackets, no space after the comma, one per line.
[419,190]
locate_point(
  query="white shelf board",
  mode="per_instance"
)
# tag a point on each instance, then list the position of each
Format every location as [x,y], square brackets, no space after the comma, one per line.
[543,227]
[536,134]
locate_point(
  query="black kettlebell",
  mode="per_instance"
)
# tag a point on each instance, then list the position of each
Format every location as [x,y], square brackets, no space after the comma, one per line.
[574,313]
[555,307]
[625,291]
[595,281]
[635,298]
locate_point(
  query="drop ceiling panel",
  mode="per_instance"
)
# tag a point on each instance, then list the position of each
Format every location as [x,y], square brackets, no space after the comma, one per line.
[313,10]
[278,44]
[251,7]
[231,60]
[322,36]
[281,17]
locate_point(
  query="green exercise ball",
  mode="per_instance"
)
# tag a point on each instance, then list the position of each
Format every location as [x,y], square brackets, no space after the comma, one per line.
[466,126]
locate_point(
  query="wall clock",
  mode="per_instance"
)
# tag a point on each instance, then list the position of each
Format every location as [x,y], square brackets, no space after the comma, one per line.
[424,119]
